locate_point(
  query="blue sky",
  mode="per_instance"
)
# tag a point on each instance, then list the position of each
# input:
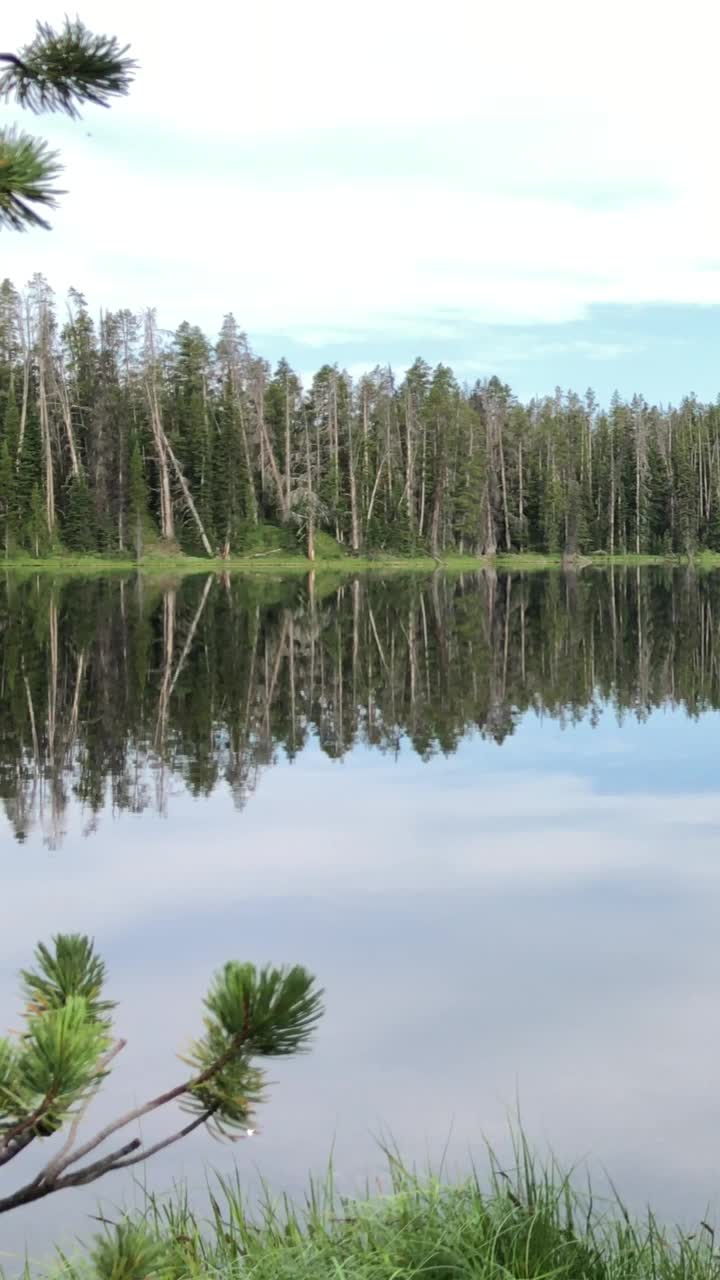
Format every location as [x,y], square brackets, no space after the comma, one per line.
[517,189]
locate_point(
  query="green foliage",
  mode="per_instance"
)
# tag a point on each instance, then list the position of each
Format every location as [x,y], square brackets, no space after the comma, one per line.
[28,476]
[71,967]
[8,513]
[377,468]
[257,538]
[523,1223]
[273,1010]
[58,1063]
[80,532]
[12,1100]
[11,423]
[27,176]
[129,1251]
[61,70]
[57,71]
[137,495]
[250,1012]
[327,547]
[37,527]
[63,1055]
[66,1034]
[229,1097]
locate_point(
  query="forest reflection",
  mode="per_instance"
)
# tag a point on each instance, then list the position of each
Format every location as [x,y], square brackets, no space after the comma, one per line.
[114,690]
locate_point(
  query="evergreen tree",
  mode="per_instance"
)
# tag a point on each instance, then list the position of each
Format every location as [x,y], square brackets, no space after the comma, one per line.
[79,525]
[137,497]
[217,454]
[37,529]
[8,514]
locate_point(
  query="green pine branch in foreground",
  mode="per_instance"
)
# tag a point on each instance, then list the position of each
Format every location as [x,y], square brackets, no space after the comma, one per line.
[27,173]
[51,1071]
[58,71]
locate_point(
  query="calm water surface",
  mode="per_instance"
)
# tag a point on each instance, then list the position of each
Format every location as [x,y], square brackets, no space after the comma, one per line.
[484,810]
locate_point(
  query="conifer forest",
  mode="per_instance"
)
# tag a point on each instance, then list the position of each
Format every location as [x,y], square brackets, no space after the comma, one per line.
[120,690]
[117,437]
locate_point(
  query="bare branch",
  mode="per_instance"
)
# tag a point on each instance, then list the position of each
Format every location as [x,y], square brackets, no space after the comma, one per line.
[92,1171]
[55,1165]
[146,1152]
[154,1104]
[16,62]
[13,1148]
[26,1125]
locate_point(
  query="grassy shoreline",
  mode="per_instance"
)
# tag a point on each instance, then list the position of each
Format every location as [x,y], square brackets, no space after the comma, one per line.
[345,564]
[529,1223]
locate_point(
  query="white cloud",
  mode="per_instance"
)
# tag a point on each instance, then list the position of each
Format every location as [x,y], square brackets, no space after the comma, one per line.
[496,832]
[540,106]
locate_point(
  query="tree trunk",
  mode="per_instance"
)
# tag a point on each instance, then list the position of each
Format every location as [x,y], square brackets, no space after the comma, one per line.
[283,496]
[188,497]
[310,499]
[24,327]
[409,461]
[167,522]
[66,409]
[504,490]
[421,520]
[521,499]
[287,445]
[354,522]
[46,446]
[612,498]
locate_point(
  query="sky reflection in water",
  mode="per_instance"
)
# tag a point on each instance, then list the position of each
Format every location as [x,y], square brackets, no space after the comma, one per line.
[532,923]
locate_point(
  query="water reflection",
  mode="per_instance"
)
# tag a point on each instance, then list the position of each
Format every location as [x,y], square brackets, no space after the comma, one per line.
[509,887]
[117,689]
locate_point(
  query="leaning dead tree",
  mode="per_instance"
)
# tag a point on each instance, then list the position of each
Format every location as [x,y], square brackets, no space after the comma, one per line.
[165,455]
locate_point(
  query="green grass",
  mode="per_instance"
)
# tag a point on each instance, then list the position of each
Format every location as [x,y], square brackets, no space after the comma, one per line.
[529,1222]
[332,560]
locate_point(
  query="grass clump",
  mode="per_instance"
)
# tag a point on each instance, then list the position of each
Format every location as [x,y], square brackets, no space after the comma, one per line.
[531,1224]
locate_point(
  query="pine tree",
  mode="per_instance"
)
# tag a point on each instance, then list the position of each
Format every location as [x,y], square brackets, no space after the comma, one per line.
[28,475]
[8,514]
[137,497]
[37,529]
[11,423]
[79,524]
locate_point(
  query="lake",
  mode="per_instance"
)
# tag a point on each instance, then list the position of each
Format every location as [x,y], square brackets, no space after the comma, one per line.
[484,810]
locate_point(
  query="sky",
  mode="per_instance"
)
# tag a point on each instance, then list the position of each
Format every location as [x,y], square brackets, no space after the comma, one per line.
[514,188]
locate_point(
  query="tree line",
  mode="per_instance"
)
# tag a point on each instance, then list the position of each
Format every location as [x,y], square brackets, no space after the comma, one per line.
[115,691]
[117,436]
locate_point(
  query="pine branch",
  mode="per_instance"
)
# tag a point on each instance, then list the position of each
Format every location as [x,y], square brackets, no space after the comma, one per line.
[16,62]
[75,1126]
[162,1100]
[15,1147]
[65,1055]
[27,173]
[62,70]
[146,1152]
[91,1172]
[26,1129]
[51,1178]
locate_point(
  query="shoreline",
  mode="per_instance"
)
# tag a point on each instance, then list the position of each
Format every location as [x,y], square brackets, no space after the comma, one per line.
[531,1220]
[351,565]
